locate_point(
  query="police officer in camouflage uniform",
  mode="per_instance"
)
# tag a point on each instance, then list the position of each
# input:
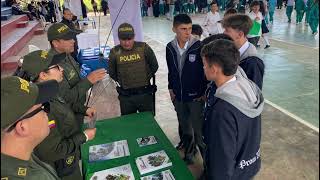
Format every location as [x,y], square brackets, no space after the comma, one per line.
[73,88]
[132,64]
[61,149]
[24,124]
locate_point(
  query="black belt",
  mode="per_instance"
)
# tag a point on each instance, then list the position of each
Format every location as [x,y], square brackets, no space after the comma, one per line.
[137,91]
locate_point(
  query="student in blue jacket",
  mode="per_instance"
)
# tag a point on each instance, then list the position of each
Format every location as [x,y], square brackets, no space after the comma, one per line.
[237,27]
[233,117]
[187,84]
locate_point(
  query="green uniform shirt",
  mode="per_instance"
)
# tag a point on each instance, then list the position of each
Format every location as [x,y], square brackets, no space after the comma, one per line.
[73,89]
[14,169]
[149,56]
[63,140]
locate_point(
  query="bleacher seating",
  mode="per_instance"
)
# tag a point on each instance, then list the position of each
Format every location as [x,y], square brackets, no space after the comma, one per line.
[15,34]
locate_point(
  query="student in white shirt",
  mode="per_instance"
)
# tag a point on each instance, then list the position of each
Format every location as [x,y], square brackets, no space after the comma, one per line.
[210,24]
[255,15]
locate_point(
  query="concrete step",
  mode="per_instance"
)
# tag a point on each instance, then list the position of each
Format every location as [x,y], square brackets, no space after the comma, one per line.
[10,64]
[13,43]
[39,31]
[22,24]
[11,24]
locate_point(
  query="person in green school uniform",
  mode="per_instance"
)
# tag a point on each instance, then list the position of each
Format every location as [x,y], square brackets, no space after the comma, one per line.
[308,8]
[300,8]
[314,17]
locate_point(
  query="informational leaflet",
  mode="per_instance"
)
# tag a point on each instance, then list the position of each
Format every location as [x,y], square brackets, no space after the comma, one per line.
[108,151]
[164,175]
[117,173]
[152,162]
[145,141]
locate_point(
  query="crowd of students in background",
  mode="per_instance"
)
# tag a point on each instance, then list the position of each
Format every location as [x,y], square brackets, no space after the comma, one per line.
[34,10]
[307,9]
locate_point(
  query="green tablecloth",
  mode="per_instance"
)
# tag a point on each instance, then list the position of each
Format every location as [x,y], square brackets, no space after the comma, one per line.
[131,127]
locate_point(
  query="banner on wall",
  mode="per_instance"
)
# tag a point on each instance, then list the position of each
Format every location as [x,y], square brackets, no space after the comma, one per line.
[130,13]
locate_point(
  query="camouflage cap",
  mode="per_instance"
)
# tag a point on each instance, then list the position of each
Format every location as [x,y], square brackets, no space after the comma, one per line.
[125,31]
[18,96]
[60,31]
[40,60]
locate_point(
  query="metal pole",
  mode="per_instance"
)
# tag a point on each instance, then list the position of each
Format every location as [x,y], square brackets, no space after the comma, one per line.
[154,95]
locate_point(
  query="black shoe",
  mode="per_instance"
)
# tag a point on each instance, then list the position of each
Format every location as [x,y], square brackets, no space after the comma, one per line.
[257,46]
[179,146]
[289,21]
[267,46]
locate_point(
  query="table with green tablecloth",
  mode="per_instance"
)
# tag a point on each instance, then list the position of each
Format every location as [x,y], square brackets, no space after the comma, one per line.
[131,127]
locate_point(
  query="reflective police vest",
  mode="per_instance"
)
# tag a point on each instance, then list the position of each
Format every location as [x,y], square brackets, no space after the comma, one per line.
[131,65]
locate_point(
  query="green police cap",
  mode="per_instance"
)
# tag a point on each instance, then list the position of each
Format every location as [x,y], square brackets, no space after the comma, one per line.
[18,96]
[125,31]
[60,31]
[40,60]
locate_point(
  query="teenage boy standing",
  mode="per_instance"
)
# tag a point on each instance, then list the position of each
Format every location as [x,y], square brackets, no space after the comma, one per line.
[237,27]
[187,85]
[233,117]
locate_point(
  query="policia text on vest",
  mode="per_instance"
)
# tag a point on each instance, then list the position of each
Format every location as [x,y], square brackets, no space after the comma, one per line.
[133,69]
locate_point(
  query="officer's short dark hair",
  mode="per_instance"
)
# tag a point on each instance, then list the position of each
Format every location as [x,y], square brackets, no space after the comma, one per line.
[240,22]
[214,37]
[51,44]
[224,53]
[197,29]
[181,19]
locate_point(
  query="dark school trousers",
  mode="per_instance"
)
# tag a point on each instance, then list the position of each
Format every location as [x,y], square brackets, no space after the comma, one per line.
[190,118]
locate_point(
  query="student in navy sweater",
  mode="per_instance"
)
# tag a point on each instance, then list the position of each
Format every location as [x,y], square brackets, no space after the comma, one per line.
[233,117]
[187,84]
[237,27]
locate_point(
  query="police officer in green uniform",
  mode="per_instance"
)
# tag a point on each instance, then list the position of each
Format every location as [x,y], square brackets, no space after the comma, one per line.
[24,124]
[73,88]
[61,149]
[132,64]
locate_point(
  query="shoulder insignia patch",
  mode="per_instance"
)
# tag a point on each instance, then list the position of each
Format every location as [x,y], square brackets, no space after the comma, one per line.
[69,160]
[22,171]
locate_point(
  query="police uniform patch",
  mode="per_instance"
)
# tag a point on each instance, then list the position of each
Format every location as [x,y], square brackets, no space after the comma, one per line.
[192,57]
[24,85]
[69,160]
[62,28]
[44,54]
[71,74]
[22,171]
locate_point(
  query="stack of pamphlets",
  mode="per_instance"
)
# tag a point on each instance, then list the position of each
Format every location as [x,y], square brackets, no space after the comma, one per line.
[145,141]
[93,53]
[164,175]
[152,162]
[117,173]
[108,151]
